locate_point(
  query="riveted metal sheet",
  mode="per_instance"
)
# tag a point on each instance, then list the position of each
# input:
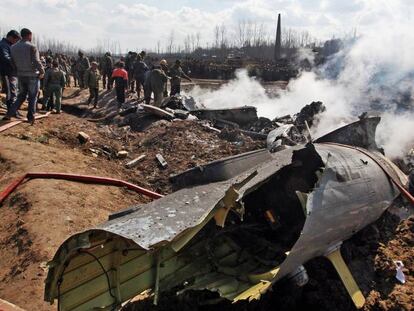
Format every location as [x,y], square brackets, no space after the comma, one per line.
[352,192]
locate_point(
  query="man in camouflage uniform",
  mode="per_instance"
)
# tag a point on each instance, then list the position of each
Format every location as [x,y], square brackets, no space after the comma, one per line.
[106,70]
[65,67]
[82,64]
[176,73]
[140,68]
[129,67]
[156,82]
[47,97]
[54,83]
[74,72]
[91,80]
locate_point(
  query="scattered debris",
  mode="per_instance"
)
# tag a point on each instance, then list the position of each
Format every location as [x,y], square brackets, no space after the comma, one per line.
[136,161]
[157,111]
[83,137]
[309,114]
[241,115]
[122,154]
[399,268]
[220,231]
[161,160]
[285,135]
[189,145]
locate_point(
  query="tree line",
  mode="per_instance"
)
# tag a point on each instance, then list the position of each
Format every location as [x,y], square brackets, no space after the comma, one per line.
[245,39]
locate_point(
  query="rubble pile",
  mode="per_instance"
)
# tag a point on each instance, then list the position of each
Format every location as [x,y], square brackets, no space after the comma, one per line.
[151,145]
[182,144]
[181,124]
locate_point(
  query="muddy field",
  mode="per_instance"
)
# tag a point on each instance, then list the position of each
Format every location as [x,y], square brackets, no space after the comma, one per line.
[41,214]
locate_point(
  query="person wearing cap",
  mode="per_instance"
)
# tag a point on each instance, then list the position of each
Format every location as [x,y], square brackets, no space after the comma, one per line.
[7,70]
[54,83]
[156,83]
[82,65]
[106,70]
[91,80]
[29,72]
[176,73]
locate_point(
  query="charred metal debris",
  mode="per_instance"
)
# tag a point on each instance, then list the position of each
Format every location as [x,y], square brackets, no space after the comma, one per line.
[235,226]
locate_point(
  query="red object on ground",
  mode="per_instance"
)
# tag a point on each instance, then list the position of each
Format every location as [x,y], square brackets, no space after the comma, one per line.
[80,178]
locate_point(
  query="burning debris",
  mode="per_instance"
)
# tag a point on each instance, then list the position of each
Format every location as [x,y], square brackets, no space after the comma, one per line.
[236,227]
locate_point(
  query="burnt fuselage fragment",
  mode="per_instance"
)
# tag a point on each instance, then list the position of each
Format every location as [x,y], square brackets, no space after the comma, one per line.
[235,236]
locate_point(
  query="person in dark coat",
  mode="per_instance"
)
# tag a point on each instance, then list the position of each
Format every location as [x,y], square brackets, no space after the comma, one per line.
[7,70]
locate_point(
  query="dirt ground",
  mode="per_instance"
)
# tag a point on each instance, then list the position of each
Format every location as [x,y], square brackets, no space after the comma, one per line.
[41,214]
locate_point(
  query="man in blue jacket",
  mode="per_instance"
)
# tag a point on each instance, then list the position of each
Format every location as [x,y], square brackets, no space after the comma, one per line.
[29,72]
[7,70]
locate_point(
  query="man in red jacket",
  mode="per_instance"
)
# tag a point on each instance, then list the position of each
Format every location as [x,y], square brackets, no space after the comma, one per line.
[120,76]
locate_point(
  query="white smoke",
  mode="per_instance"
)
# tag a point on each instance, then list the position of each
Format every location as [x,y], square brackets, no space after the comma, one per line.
[373,73]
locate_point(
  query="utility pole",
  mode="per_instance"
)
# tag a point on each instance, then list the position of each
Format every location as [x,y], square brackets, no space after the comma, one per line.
[278,43]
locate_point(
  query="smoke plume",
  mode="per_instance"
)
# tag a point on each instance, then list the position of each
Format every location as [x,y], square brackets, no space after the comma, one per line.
[374,72]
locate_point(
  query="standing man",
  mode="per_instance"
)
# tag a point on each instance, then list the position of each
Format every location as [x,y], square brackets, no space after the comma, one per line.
[50,102]
[120,76]
[91,80]
[54,83]
[106,68]
[74,72]
[7,70]
[82,64]
[176,73]
[129,67]
[29,72]
[156,83]
[140,68]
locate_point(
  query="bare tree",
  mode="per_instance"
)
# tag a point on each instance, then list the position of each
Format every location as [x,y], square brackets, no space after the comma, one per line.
[187,44]
[241,33]
[198,38]
[170,42]
[158,47]
[217,36]
[223,36]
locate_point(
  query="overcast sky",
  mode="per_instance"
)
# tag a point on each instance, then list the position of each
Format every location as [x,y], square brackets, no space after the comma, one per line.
[141,24]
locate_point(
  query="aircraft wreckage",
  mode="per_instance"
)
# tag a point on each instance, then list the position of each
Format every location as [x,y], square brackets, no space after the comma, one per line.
[236,227]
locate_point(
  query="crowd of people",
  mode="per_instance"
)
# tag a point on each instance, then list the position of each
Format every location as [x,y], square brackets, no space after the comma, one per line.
[26,73]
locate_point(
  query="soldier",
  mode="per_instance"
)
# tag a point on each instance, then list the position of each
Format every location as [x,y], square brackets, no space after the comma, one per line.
[91,80]
[47,97]
[106,70]
[140,68]
[142,54]
[156,82]
[73,72]
[176,73]
[54,83]
[82,64]
[129,67]
[64,66]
